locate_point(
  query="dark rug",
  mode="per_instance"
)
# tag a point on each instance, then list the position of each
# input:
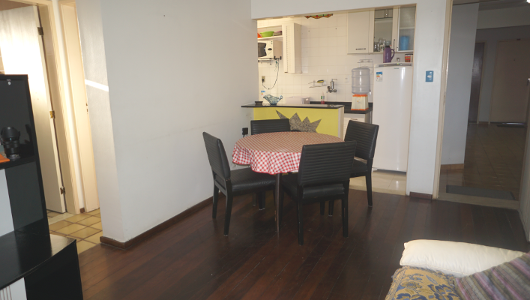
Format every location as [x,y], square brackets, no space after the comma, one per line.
[514,125]
[472,191]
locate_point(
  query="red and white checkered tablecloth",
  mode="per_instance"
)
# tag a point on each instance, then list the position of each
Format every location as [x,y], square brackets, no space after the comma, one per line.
[277,152]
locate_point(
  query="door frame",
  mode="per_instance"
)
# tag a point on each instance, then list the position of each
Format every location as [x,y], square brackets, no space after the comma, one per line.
[443,93]
[27,17]
[72,170]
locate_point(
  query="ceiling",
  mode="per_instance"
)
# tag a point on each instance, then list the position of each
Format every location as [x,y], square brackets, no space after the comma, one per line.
[484,4]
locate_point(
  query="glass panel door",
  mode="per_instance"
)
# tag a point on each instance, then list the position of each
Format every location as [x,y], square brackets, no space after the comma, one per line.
[383,20]
[407,23]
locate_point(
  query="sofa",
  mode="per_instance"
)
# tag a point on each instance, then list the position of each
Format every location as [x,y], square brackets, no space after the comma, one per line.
[452,270]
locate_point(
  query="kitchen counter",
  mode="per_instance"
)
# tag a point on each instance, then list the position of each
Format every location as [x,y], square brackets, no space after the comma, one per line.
[320,106]
[324,118]
[347,107]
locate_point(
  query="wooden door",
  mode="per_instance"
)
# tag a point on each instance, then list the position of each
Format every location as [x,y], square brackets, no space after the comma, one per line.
[22,53]
[509,100]
[476,82]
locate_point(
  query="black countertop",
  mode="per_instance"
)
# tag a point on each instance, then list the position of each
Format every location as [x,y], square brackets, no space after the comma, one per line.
[321,106]
[347,107]
[317,104]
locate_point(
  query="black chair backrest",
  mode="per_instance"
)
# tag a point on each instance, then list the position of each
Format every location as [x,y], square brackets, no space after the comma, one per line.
[326,163]
[365,135]
[216,156]
[266,126]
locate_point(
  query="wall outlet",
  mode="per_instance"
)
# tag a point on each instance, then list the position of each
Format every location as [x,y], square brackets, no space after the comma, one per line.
[244,131]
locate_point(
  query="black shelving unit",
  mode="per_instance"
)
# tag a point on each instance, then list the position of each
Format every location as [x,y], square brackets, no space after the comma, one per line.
[48,263]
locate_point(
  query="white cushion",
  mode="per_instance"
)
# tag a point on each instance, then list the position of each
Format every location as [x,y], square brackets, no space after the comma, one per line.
[458,259]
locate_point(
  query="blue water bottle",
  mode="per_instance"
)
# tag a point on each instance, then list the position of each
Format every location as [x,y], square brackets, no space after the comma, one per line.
[403,43]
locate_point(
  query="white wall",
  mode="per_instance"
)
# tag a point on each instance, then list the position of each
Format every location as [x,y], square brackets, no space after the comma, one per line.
[175,69]
[6,219]
[324,56]
[492,37]
[507,17]
[428,55]
[461,53]
[94,62]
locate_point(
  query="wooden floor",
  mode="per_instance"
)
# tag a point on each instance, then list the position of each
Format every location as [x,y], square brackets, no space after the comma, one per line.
[193,260]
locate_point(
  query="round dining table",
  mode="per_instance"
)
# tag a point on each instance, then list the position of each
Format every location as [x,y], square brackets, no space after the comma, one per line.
[276,153]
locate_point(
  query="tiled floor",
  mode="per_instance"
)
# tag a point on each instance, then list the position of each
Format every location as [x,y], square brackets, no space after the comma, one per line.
[85,228]
[494,157]
[383,182]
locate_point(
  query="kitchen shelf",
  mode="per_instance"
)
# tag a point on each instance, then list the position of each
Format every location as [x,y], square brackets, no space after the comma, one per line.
[18,162]
[276,37]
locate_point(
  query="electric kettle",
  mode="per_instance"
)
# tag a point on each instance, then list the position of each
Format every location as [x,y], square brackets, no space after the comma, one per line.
[388,54]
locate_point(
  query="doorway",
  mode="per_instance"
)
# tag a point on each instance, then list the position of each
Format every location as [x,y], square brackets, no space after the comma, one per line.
[80,194]
[492,169]
[23,53]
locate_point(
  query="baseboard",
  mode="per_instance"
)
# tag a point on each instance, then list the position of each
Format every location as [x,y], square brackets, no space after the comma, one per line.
[160,227]
[421,196]
[452,167]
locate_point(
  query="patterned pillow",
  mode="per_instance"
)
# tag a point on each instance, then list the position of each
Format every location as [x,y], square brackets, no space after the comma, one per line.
[509,280]
[412,283]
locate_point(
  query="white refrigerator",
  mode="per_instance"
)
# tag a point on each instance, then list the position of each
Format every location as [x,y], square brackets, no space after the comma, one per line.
[392,101]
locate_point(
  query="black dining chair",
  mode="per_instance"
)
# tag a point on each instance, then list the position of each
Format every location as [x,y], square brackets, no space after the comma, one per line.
[267,126]
[232,183]
[323,175]
[365,135]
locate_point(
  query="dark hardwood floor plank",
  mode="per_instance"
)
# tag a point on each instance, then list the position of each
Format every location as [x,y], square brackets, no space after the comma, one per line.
[468,226]
[359,215]
[182,244]
[389,261]
[518,231]
[194,260]
[352,280]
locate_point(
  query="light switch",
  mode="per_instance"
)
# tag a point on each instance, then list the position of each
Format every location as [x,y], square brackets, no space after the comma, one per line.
[429,76]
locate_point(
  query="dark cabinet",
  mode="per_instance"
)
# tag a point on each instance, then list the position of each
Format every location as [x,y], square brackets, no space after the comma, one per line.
[48,264]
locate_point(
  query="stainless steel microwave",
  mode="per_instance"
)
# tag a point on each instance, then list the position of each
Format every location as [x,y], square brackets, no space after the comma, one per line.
[270,49]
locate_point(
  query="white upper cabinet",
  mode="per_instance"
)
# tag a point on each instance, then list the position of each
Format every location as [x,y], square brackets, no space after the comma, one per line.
[406,26]
[292,48]
[384,29]
[370,31]
[359,32]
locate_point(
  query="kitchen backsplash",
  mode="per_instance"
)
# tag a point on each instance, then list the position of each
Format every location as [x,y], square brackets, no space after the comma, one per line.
[323,57]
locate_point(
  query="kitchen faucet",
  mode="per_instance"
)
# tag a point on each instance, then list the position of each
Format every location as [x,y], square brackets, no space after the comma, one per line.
[331,87]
